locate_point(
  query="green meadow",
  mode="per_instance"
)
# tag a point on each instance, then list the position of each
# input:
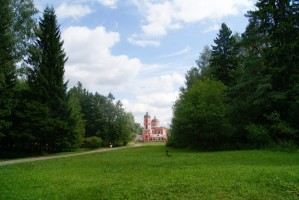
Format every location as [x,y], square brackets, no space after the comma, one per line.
[147,173]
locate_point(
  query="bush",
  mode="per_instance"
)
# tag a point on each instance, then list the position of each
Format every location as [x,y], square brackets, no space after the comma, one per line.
[280,129]
[170,142]
[93,142]
[258,135]
[118,143]
[286,146]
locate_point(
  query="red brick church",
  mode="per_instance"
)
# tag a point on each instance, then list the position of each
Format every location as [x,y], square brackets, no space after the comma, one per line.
[152,131]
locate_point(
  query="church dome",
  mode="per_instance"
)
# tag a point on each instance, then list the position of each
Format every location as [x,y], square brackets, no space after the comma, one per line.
[155,120]
[147,115]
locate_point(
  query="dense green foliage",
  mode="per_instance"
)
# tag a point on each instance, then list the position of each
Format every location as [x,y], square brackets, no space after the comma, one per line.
[267,95]
[104,117]
[16,29]
[92,142]
[7,68]
[37,113]
[200,114]
[147,173]
[261,70]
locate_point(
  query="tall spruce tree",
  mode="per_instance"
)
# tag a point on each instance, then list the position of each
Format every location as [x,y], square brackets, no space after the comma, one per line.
[224,62]
[7,66]
[46,80]
[278,21]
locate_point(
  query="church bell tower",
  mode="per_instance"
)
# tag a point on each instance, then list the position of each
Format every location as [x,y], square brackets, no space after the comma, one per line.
[147,129]
[147,121]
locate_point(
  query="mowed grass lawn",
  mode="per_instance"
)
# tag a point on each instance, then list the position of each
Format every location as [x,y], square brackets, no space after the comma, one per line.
[147,173]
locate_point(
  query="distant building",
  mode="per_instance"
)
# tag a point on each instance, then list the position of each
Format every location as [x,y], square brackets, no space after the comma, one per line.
[152,131]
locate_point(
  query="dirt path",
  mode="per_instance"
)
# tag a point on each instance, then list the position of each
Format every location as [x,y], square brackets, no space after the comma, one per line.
[23,160]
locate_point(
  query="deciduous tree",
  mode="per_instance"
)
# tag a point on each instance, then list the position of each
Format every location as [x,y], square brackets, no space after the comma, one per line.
[16,32]
[199,117]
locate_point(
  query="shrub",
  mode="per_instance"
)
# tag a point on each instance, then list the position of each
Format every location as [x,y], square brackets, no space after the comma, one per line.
[280,129]
[286,146]
[258,135]
[118,143]
[93,142]
[170,142]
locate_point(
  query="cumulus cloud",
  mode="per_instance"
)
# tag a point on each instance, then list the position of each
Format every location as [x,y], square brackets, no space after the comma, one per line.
[75,11]
[159,19]
[74,8]
[212,28]
[108,3]
[91,61]
[162,16]
[156,95]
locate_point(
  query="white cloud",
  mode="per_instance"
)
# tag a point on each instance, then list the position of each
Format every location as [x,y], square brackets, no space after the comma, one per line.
[159,19]
[178,53]
[91,61]
[212,28]
[155,95]
[162,83]
[75,11]
[162,16]
[143,43]
[108,3]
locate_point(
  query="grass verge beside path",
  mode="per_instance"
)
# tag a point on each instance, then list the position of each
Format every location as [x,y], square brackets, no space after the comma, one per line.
[5,156]
[147,173]
[12,156]
[60,155]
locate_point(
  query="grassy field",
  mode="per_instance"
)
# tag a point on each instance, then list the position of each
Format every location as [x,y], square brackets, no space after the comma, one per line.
[17,155]
[147,173]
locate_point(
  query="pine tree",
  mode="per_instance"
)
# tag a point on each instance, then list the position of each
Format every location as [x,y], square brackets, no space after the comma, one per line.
[278,21]
[46,81]
[268,94]
[7,67]
[224,62]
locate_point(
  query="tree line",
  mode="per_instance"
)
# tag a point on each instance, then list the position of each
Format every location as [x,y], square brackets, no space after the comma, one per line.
[244,91]
[37,111]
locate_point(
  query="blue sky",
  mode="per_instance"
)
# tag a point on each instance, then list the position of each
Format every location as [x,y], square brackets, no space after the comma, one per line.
[140,50]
